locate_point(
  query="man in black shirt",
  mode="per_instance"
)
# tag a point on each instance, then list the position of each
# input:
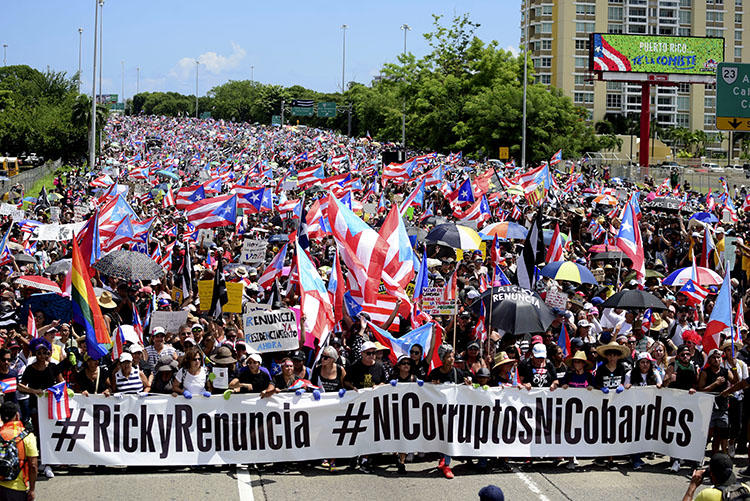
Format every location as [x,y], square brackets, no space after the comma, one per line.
[366,372]
[715,378]
[251,379]
[538,372]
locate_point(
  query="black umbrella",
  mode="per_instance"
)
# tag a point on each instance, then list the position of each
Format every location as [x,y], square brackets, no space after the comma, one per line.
[58,267]
[315,189]
[634,299]
[129,265]
[515,310]
[53,305]
[435,220]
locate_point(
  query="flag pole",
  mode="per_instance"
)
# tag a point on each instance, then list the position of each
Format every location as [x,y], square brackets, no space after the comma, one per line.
[489,325]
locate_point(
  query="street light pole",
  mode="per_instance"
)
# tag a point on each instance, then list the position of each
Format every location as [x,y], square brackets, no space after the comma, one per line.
[101,55]
[92,132]
[5,54]
[197,63]
[343,57]
[80,53]
[406,28]
[137,79]
[525,78]
[252,71]
[122,84]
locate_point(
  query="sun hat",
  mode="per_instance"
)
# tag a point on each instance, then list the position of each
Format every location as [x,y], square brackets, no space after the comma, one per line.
[224,356]
[728,344]
[501,359]
[581,357]
[613,346]
[105,300]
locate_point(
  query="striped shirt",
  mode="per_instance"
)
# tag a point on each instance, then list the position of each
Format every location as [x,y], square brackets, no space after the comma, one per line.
[153,355]
[130,384]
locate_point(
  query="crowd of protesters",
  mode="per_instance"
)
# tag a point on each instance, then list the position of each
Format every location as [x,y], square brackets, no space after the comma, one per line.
[610,349]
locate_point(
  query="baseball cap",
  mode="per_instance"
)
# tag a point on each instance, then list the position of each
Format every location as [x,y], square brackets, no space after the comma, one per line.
[536,340]
[126,357]
[368,345]
[256,357]
[158,330]
[539,351]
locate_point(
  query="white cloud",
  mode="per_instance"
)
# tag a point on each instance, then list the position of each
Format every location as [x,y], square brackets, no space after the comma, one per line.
[209,61]
[513,50]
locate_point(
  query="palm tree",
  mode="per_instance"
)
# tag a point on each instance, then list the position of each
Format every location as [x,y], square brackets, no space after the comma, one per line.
[81,116]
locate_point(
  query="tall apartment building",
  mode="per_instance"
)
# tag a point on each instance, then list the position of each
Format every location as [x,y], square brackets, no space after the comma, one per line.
[558,32]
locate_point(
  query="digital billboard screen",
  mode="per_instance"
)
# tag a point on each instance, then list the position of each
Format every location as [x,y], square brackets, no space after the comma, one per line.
[655,54]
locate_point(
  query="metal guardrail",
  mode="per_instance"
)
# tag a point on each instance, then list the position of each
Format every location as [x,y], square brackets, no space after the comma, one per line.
[700,179]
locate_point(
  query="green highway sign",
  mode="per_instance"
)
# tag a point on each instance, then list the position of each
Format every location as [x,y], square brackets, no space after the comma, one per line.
[206,114]
[117,106]
[732,96]
[276,120]
[302,111]
[326,110]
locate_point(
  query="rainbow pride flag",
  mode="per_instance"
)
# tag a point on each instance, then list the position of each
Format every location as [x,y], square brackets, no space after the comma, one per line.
[86,311]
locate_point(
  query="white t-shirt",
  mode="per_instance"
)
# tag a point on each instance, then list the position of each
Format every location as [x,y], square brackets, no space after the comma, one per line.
[195,384]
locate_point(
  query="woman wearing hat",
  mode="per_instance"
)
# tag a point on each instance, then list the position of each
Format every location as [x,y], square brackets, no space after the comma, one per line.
[610,375]
[109,310]
[579,372]
[161,378]
[503,373]
[328,374]
[128,379]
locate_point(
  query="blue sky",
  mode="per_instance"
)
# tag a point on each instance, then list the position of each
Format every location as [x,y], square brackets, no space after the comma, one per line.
[286,42]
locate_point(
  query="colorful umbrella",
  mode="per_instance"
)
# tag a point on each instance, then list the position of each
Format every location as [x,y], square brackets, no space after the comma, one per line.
[570,271]
[705,277]
[603,248]
[453,235]
[506,230]
[37,282]
[547,235]
[606,200]
[705,217]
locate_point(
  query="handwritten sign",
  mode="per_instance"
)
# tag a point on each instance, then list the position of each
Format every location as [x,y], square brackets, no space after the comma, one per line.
[556,299]
[170,320]
[433,303]
[253,252]
[271,330]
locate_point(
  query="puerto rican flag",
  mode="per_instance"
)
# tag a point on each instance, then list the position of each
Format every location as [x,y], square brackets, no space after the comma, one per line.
[187,196]
[255,200]
[478,213]
[213,212]
[337,289]
[57,402]
[123,234]
[112,213]
[31,326]
[274,269]
[556,158]
[315,303]
[399,347]
[607,58]
[399,258]
[695,293]
[720,320]
[630,242]
[465,192]
[310,175]
[563,341]
[415,198]
[395,173]
[8,385]
[168,199]
[381,308]
[739,323]
[137,324]
[646,321]
[118,343]
[555,249]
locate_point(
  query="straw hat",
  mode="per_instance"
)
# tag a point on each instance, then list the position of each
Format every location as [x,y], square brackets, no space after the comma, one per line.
[658,323]
[106,301]
[613,346]
[728,344]
[501,359]
[580,356]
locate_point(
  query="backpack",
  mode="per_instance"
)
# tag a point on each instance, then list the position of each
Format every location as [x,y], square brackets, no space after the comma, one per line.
[736,491]
[10,464]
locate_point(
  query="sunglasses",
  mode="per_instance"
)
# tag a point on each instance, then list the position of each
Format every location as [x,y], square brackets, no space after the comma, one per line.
[413,352]
[369,353]
[325,357]
[286,366]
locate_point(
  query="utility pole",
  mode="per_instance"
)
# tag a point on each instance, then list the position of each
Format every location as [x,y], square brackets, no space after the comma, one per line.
[5,54]
[525,78]
[349,122]
[406,28]
[101,55]
[137,79]
[252,71]
[282,113]
[122,84]
[343,57]
[80,53]
[197,63]
[92,132]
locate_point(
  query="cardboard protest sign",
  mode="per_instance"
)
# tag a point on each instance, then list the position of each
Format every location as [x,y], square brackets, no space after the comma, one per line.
[271,330]
[253,252]
[170,320]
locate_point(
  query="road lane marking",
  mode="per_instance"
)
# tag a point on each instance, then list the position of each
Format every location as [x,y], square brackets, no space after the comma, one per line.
[529,484]
[244,483]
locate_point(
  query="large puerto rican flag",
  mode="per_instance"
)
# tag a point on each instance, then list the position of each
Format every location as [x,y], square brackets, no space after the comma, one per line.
[630,242]
[213,212]
[189,195]
[607,58]
[720,321]
[314,301]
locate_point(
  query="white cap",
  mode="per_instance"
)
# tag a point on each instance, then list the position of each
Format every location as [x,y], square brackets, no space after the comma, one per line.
[126,357]
[256,357]
[472,294]
[584,323]
[539,351]
[158,330]
[719,229]
[368,345]
[136,348]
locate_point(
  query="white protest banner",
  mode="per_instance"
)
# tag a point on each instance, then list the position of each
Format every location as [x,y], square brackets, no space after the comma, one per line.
[58,232]
[433,303]
[170,320]
[253,252]
[448,419]
[556,299]
[271,330]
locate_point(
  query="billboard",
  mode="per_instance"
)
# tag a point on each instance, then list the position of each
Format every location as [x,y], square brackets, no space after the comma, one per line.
[107,98]
[655,54]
